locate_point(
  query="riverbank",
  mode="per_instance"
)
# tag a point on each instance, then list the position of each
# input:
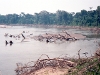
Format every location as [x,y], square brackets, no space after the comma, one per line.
[87,66]
[63,66]
[95,30]
[51,66]
[4,26]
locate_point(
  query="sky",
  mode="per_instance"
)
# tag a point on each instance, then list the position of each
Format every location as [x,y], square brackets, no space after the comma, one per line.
[35,6]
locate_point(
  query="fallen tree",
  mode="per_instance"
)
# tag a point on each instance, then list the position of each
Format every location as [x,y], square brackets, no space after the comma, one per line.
[59,36]
[32,67]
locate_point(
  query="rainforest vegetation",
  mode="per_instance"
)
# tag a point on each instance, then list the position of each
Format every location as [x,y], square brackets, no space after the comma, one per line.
[82,18]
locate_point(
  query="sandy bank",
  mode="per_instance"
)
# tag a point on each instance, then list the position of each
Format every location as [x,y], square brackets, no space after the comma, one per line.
[4,26]
[50,71]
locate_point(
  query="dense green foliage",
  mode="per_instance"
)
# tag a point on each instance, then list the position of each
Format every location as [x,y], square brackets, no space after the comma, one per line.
[83,18]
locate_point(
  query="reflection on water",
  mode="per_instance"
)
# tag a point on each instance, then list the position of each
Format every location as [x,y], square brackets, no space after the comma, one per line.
[30,51]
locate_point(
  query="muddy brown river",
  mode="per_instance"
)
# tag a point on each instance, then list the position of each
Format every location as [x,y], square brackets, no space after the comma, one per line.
[31,50]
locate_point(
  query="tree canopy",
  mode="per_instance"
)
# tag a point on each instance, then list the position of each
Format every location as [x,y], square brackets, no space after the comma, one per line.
[83,18]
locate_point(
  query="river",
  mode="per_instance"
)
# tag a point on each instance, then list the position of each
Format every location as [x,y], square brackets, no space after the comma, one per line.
[31,50]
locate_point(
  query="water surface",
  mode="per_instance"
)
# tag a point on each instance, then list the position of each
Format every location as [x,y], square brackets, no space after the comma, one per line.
[30,51]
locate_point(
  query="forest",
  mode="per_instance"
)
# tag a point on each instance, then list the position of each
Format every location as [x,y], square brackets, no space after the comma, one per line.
[61,17]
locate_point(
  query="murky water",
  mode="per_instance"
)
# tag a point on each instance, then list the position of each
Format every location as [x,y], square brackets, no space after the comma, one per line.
[30,51]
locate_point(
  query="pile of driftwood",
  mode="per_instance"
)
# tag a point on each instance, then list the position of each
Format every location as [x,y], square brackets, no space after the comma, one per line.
[32,67]
[48,37]
[60,36]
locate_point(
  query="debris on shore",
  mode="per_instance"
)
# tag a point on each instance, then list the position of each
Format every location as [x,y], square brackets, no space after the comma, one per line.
[61,66]
[31,68]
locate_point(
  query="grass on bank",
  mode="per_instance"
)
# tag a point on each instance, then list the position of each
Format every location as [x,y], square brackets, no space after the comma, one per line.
[86,66]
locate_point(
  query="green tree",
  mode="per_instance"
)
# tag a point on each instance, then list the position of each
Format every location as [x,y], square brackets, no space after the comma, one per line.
[98,15]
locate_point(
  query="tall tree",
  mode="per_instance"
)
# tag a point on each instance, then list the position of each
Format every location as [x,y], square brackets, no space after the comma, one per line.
[98,15]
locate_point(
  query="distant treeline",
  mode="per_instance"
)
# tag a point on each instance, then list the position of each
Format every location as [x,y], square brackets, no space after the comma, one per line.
[83,18]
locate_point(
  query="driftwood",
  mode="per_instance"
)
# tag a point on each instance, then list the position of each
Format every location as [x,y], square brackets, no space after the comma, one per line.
[47,37]
[61,36]
[32,67]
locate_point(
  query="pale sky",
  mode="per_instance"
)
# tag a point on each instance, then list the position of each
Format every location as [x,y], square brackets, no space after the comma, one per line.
[35,6]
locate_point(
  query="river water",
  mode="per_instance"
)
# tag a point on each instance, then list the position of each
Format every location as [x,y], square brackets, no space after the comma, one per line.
[31,50]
